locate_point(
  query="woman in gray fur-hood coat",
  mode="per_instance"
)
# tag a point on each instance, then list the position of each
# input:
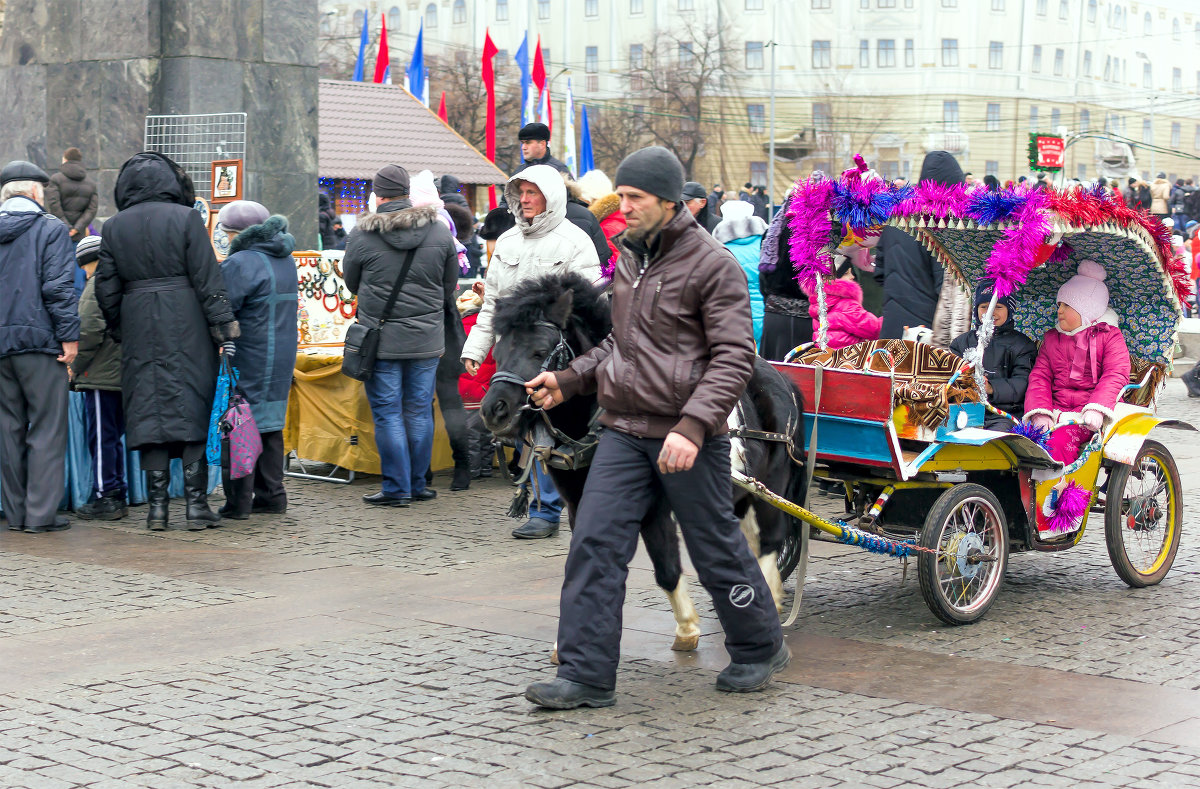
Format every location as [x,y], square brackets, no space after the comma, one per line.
[375,253]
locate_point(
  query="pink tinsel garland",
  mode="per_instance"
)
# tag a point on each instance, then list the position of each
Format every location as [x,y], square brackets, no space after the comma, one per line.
[1015,255]
[1072,503]
[811,234]
[934,199]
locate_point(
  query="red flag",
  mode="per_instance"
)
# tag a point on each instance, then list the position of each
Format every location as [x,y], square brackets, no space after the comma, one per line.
[442,110]
[539,69]
[489,133]
[381,60]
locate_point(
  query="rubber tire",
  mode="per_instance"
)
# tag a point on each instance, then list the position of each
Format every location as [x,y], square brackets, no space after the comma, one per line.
[927,563]
[1113,525]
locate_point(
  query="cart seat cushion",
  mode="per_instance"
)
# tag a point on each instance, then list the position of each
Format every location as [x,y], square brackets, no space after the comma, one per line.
[924,375]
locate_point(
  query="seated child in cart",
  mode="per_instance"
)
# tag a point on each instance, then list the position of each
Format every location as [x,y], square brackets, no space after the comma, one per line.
[1081,368]
[1007,359]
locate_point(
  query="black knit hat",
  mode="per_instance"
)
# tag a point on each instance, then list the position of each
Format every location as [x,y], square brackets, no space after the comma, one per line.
[497,221]
[534,131]
[391,181]
[21,170]
[654,170]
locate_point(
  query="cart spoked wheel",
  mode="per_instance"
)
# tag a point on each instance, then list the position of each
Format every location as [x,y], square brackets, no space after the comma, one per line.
[969,533]
[1143,516]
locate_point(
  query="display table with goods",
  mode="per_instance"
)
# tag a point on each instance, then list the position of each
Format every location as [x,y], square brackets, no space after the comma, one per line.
[328,418]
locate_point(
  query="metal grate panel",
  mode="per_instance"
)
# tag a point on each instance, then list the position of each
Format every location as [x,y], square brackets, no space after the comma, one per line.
[196,141]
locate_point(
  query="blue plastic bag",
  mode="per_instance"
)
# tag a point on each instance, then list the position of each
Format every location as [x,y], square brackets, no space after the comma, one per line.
[225,382]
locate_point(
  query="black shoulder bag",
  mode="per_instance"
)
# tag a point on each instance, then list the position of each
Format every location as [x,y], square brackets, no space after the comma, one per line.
[362,343]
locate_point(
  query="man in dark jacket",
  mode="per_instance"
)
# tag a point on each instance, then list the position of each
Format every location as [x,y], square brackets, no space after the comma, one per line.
[163,298]
[1007,360]
[535,148]
[71,195]
[579,215]
[667,377]
[96,372]
[39,334]
[697,204]
[911,278]
[448,187]
[327,221]
[412,334]
[714,201]
[260,278]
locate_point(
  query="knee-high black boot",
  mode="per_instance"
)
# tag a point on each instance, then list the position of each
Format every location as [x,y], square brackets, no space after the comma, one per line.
[195,493]
[157,499]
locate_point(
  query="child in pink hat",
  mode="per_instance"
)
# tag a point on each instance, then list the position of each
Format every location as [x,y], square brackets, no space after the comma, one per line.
[1081,368]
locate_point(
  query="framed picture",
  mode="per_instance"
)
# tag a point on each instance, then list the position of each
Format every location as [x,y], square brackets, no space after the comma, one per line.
[226,180]
[201,206]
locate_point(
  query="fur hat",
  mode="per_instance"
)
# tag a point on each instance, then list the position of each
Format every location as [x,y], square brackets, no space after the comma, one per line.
[1086,292]
[593,185]
[534,131]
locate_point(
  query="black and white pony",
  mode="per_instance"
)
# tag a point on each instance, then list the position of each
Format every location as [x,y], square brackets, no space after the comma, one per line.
[546,322]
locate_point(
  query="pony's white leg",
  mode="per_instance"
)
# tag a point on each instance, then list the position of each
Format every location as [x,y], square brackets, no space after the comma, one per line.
[687,620]
[749,526]
[770,570]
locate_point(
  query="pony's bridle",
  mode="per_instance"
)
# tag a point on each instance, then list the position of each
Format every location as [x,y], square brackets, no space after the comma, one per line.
[556,360]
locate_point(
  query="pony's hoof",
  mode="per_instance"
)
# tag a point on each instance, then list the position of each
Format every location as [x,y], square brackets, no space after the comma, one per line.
[554,657]
[685,643]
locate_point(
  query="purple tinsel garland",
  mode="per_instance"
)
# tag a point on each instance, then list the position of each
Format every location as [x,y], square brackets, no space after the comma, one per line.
[769,258]
[933,198]
[1038,435]
[1073,502]
[808,221]
[1015,255]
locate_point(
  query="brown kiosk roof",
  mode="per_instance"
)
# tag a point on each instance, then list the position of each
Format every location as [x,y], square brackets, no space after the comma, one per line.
[364,126]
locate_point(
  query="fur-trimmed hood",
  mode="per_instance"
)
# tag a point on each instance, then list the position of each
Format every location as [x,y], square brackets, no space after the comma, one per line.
[550,183]
[606,206]
[271,238]
[402,227]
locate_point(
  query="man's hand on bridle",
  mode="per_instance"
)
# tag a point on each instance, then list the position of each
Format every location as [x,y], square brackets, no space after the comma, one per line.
[544,391]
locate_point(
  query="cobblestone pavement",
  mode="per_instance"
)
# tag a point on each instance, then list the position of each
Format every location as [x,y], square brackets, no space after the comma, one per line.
[326,648]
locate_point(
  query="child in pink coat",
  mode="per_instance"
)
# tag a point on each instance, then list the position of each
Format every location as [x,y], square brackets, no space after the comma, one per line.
[1081,368]
[849,321]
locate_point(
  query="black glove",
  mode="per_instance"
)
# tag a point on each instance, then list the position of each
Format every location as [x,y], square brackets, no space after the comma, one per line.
[228,349]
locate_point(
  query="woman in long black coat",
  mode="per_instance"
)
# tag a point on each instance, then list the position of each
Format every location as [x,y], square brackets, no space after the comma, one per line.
[162,295]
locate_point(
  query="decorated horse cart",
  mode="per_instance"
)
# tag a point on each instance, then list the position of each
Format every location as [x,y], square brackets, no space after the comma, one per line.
[900,425]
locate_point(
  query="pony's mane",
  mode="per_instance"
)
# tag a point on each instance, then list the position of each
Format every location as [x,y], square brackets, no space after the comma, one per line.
[529,302]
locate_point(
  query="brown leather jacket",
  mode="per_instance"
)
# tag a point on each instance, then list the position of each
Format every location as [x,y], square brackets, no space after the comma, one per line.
[682,344]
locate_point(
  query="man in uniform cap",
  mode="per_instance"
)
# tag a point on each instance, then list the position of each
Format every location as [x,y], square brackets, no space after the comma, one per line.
[667,438]
[696,200]
[39,337]
[535,147]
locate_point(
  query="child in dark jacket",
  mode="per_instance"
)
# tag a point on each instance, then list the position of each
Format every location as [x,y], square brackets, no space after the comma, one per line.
[1007,360]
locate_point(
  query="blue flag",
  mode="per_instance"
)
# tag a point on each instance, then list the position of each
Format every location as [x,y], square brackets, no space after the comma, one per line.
[362,49]
[522,58]
[586,162]
[418,85]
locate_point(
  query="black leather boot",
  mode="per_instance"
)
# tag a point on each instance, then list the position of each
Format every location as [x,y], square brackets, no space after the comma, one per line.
[157,499]
[195,493]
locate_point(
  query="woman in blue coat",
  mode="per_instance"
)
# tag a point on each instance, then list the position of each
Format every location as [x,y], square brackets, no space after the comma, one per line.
[260,278]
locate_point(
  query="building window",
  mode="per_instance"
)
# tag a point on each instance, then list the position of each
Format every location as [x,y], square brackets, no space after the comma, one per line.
[431,16]
[908,4]
[1087,63]
[864,4]
[887,3]
[1081,172]
[1198,83]
[591,8]
[1147,24]
[1198,32]
[1147,131]
[687,5]
[757,115]
[591,60]
[995,54]
[1176,134]
[950,115]
[820,54]
[993,116]
[820,5]
[754,54]
[637,56]
[949,51]
[1196,143]
[1059,57]
[1055,120]
[687,55]
[1108,68]
[758,173]
[592,83]
[754,5]
[1091,12]
[1085,120]
[543,9]
[991,167]
[501,10]
[1041,7]
[864,53]
[949,3]
[910,57]
[637,6]
[822,116]
[1037,59]
[1147,76]
[393,19]
[1033,119]
[1064,9]
[885,52]
[1177,80]
[1176,29]
[997,5]
[459,15]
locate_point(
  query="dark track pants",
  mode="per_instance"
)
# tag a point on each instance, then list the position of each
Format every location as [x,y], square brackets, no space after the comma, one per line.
[104,421]
[33,437]
[623,483]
